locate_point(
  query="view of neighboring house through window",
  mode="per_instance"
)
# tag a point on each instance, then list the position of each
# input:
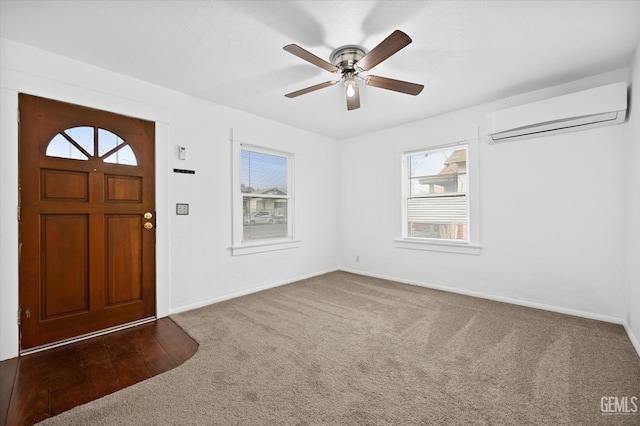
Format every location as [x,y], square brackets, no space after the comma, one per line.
[435,194]
[265,189]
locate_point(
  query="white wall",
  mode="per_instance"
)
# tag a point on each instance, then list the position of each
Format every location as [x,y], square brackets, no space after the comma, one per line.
[551,211]
[556,226]
[633,212]
[195,265]
[202,268]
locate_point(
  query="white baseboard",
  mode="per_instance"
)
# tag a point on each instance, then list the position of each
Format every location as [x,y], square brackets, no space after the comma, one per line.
[222,298]
[632,337]
[513,301]
[527,303]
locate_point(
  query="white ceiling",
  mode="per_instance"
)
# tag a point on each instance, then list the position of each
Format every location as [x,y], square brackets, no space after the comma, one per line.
[230,52]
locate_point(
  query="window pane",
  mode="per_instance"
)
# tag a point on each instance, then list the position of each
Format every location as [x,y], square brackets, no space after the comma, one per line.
[439,172]
[437,217]
[59,146]
[264,218]
[107,141]
[452,231]
[124,155]
[83,136]
[263,173]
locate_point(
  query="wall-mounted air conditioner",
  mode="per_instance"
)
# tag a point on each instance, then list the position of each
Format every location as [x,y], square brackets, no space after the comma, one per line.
[587,109]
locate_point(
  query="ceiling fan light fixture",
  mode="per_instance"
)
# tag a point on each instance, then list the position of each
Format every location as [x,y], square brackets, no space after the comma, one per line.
[350,84]
[351,91]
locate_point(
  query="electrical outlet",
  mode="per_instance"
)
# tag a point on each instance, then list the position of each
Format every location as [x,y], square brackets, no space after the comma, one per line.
[357,258]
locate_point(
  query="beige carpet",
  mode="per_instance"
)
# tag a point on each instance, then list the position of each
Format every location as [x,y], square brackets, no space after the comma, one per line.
[351,350]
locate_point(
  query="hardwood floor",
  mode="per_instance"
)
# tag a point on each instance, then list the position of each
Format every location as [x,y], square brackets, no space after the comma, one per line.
[43,384]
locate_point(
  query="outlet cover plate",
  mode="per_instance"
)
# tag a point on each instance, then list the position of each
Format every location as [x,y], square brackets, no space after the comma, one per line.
[182,209]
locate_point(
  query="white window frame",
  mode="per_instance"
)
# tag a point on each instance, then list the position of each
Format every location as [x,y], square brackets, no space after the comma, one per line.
[240,247]
[469,246]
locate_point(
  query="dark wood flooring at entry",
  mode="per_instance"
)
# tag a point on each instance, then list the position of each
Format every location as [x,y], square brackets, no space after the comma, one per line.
[41,385]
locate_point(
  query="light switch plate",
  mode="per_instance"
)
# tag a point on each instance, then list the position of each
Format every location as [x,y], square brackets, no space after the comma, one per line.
[182,208]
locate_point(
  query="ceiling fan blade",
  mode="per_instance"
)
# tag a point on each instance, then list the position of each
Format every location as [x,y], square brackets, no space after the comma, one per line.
[390,45]
[301,53]
[310,89]
[353,102]
[395,85]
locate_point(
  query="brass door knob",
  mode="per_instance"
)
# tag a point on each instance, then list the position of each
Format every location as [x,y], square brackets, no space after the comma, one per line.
[148,225]
[148,215]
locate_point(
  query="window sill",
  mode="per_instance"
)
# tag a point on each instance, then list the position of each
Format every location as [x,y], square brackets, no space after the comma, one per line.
[261,247]
[447,247]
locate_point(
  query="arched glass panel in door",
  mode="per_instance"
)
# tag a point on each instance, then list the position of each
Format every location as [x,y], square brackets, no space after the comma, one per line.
[84,142]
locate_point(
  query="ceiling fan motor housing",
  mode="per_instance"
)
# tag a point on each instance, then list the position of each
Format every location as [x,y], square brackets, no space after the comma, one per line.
[345,57]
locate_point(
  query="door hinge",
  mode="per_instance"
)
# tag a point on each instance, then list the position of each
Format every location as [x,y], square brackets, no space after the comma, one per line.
[19,212]
[19,315]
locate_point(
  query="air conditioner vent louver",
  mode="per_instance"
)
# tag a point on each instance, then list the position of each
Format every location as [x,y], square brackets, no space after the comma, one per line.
[597,107]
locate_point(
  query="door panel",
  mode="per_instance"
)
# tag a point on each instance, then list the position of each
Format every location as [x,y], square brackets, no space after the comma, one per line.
[64,185]
[64,242]
[86,181]
[124,263]
[123,189]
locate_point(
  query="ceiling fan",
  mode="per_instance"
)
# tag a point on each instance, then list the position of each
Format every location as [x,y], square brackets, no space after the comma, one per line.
[350,61]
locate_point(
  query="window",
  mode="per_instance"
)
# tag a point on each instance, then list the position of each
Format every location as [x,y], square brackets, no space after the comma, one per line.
[436,194]
[84,142]
[263,200]
[435,200]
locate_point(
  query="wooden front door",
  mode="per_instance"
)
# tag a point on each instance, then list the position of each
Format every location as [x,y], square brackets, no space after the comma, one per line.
[87,220]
